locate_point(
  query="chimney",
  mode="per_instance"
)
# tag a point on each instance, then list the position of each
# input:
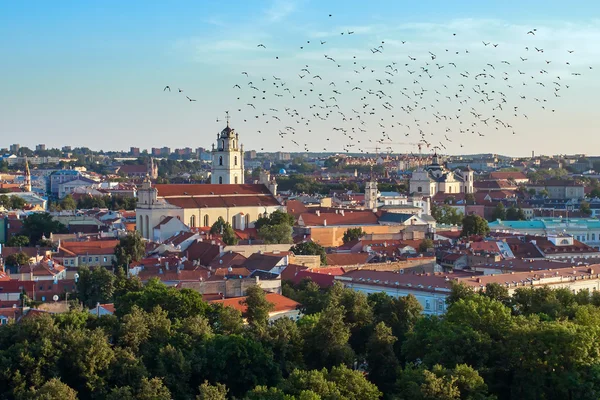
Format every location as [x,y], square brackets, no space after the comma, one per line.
[324,222]
[342,212]
[318,212]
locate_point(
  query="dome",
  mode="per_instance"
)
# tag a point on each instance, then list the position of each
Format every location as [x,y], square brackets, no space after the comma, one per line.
[227,132]
[282,171]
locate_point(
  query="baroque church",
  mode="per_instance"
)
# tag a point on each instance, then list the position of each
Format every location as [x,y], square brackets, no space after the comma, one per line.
[200,205]
[436,178]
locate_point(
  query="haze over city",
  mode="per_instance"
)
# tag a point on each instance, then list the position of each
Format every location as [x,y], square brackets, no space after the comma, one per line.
[93,74]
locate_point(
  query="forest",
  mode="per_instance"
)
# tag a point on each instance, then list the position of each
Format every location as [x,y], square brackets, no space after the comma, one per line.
[165,343]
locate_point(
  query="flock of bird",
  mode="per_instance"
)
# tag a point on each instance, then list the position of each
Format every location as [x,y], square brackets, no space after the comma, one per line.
[383,96]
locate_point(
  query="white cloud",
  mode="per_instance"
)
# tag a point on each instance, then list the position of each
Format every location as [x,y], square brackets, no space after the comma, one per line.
[280,9]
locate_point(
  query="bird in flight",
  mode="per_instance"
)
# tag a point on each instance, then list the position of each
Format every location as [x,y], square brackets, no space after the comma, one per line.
[190,99]
[262,45]
[167,87]
[532,32]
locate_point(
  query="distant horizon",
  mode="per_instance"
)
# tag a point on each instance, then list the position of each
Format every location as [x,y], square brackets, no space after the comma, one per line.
[465,77]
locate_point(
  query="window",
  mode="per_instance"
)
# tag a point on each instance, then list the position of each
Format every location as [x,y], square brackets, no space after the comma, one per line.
[441,306]
[233,222]
[593,236]
[235,179]
[449,189]
[427,305]
[222,145]
[104,259]
[235,160]
[206,222]
[419,189]
[220,160]
[89,259]
[97,259]
[220,180]
[193,221]
[147,227]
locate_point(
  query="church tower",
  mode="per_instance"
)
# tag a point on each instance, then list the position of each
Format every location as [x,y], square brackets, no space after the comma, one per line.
[227,158]
[27,184]
[371,194]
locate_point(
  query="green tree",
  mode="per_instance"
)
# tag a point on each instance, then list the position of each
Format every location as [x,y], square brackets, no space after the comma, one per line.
[17,203]
[326,344]
[381,359]
[68,203]
[220,227]
[37,225]
[17,259]
[54,389]
[425,245]
[95,285]
[279,234]
[212,392]
[474,225]
[153,389]
[310,249]
[352,234]
[499,212]
[258,308]
[130,248]
[18,241]
[515,214]
[584,208]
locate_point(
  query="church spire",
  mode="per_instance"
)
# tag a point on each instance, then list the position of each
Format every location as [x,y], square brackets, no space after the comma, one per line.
[27,176]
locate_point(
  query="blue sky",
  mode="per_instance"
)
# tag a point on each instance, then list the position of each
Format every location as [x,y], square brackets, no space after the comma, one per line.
[91,73]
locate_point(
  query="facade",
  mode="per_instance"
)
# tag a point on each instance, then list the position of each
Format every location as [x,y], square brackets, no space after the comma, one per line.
[436,178]
[228,158]
[61,176]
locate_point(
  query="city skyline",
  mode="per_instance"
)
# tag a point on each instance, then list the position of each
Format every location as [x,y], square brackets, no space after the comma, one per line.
[93,75]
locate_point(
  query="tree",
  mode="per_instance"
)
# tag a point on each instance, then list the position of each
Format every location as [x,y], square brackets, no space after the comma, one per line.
[68,203]
[585,208]
[515,214]
[499,212]
[425,245]
[474,225]
[18,241]
[16,203]
[95,286]
[212,392]
[130,248]
[37,225]
[54,389]
[17,260]
[220,227]
[352,234]
[326,343]
[258,308]
[153,389]
[381,359]
[279,234]
[310,249]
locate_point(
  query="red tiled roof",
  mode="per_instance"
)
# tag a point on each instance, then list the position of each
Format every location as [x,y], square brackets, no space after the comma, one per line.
[349,218]
[264,262]
[290,271]
[347,258]
[508,175]
[91,247]
[225,271]
[110,307]
[324,277]
[223,201]
[170,190]
[203,251]
[295,207]
[280,303]
[228,259]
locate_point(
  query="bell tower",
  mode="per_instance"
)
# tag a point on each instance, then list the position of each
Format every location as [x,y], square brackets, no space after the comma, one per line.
[27,183]
[227,158]
[371,194]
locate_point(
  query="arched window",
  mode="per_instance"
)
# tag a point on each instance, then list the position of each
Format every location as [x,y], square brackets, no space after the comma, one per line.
[247,221]
[222,145]
[142,225]
[193,221]
[233,225]
[449,189]
[206,221]
[235,160]
[220,160]
[235,179]
[147,236]
[593,236]
[419,189]
[220,180]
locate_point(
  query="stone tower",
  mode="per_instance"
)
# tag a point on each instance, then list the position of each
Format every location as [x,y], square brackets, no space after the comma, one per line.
[27,183]
[371,194]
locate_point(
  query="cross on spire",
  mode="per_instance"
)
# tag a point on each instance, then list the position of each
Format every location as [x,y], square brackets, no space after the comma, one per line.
[227,117]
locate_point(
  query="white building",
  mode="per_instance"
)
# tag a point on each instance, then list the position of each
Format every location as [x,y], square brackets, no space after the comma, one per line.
[436,178]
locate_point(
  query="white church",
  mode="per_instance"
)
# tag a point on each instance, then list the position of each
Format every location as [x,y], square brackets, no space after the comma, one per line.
[436,178]
[200,205]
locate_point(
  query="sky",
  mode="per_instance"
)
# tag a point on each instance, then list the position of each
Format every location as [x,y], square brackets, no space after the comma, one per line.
[92,74]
